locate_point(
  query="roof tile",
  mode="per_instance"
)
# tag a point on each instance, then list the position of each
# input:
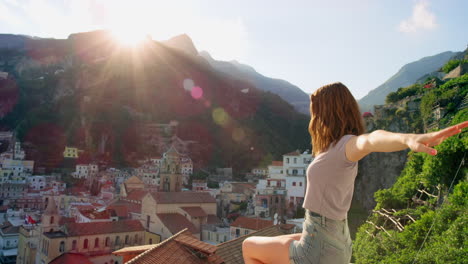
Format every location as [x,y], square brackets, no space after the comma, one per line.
[176,222]
[82,229]
[251,223]
[195,211]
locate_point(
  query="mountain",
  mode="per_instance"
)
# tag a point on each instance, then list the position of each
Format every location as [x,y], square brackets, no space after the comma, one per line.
[289,92]
[406,76]
[90,92]
[242,72]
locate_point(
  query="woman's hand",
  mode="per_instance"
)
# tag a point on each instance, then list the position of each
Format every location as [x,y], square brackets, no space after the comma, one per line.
[384,141]
[424,142]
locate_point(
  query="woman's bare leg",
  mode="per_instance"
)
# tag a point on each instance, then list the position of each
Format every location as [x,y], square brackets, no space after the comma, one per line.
[268,249]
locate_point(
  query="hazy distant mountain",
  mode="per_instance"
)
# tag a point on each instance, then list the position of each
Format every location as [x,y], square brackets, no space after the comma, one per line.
[289,92]
[406,76]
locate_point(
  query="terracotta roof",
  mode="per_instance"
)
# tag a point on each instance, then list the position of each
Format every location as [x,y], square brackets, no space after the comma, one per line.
[231,251]
[71,258]
[176,222]
[182,197]
[195,243]
[82,229]
[251,223]
[195,211]
[181,248]
[294,153]
[124,208]
[136,194]
[93,214]
[277,163]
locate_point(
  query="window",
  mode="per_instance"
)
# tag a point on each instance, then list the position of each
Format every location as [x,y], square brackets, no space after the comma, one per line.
[85,244]
[136,239]
[294,184]
[300,184]
[51,219]
[62,246]
[148,218]
[74,245]
[295,160]
[151,241]
[217,237]
[246,232]
[287,160]
[209,235]
[117,240]
[96,242]
[126,239]
[107,243]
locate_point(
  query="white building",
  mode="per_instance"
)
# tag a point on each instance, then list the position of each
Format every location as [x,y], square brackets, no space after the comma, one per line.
[37,182]
[85,171]
[275,170]
[9,236]
[295,167]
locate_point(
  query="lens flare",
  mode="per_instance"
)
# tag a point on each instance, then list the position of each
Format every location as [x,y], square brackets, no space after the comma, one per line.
[197,92]
[238,134]
[188,85]
[220,116]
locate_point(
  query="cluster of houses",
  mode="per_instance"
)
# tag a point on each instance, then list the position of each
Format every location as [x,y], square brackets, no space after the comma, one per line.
[153,211]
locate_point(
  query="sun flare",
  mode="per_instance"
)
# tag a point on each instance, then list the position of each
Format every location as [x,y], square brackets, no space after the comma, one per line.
[130,37]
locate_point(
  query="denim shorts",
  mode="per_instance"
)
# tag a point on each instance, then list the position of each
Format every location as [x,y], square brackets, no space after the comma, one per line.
[323,240]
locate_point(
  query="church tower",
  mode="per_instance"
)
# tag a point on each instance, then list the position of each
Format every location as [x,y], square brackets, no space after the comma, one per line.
[170,171]
[50,217]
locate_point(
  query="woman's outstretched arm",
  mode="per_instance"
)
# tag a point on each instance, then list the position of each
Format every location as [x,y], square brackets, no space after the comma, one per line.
[384,141]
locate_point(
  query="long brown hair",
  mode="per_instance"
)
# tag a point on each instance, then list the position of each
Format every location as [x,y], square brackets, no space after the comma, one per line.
[334,113]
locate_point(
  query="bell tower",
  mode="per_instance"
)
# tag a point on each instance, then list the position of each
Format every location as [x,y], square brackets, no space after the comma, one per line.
[50,217]
[170,171]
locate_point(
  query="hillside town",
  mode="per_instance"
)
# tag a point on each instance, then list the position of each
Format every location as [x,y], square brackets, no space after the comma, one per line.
[97,214]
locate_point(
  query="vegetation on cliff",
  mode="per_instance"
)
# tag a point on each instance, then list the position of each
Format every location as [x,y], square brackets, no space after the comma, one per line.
[422,218]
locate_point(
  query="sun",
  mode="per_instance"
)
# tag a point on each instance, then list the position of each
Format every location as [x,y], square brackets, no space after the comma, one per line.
[129,36]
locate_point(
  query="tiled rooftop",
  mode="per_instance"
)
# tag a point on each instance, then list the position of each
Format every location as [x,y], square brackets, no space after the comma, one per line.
[251,223]
[176,222]
[195,211]
[182,248]
[82,229]
[277,163]
[136,194]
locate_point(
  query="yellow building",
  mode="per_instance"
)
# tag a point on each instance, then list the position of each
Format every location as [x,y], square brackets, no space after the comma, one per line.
[71,152]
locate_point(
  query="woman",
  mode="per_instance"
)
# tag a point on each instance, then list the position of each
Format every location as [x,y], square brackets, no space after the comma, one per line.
[339,142]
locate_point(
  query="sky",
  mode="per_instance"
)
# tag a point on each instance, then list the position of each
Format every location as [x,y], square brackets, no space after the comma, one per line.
[308,43]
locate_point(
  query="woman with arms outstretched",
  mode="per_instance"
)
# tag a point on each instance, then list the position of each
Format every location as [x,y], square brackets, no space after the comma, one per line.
[339,142]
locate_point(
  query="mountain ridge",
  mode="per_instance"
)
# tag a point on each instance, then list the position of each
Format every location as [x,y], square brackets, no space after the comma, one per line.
[406,75]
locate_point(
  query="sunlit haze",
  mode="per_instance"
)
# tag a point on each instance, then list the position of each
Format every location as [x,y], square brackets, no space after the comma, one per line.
[308,43]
